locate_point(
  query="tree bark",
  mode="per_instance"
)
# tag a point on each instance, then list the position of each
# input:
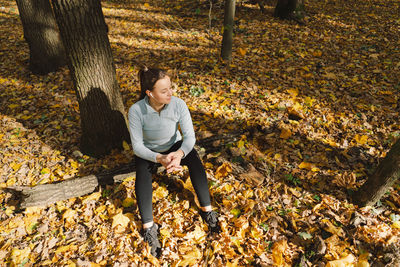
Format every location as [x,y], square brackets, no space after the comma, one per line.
[227,40]
[45,194]
[41,33]
[284,8]
[387,172]
[84,33]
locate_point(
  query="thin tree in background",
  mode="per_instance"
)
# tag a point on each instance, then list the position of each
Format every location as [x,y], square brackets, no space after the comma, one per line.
[41,33]
[385,175]
[84,33]
[227,40]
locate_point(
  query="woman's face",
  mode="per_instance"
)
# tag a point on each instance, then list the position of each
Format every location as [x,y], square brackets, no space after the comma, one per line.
[162,91]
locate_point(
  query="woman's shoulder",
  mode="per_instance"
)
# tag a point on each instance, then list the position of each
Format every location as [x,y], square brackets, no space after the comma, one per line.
[137,106]
[177,101]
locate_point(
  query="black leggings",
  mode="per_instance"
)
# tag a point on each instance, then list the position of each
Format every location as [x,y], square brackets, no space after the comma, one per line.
[143,184]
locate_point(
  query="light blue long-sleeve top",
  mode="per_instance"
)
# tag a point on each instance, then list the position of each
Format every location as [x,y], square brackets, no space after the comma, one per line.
[152,132]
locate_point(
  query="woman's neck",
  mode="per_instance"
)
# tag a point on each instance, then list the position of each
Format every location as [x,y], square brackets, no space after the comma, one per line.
[155,105]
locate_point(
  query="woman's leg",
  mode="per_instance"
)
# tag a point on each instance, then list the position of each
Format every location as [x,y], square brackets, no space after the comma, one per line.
[198,178]
[144,190]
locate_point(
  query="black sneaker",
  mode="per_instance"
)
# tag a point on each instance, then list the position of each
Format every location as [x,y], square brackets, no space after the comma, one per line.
[211,218]
[150,236]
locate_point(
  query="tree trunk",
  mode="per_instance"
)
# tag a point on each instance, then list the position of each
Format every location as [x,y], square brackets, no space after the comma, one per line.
[387,172]
[284,8]
[227,40]
[84,33]
[41,33]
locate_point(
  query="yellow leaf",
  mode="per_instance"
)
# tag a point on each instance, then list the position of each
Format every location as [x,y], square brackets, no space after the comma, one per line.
[330,75]
[285,133]
[293,92]
[306,165]
[396,225]
[233,264]
[242,51]
[126,146]
[190,258]
[64,249]
[26,117]
[45,171]
[329,227]
[223,170]
[309,101]
[19,255]
[120,220]
[362,263]
[317,53]
[362,140]
[146,5]
[165,232]
[94,196]
[69,216]
[74,164]
[30,221]
[208,165]
[13,106]
[16,166]
[343,262]
[240,144]
[128,202]
[277,252]
[198,234]
[160,192]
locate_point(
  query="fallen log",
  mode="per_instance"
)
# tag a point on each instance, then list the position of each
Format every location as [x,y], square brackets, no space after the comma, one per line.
[45,194]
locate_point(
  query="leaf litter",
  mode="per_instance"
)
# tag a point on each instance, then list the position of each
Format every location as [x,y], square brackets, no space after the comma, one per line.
[316,107]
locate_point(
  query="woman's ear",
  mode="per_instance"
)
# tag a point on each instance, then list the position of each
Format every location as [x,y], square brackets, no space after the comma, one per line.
[149,94]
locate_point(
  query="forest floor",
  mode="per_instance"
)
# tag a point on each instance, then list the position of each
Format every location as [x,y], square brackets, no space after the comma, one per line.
[316,106]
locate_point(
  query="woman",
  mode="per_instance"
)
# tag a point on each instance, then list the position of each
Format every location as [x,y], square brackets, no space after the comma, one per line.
[153,124]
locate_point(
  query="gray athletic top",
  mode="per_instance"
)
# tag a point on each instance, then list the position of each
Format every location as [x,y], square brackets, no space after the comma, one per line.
[152,132]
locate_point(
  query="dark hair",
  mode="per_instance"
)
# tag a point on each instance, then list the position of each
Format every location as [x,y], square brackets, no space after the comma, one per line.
[148,78]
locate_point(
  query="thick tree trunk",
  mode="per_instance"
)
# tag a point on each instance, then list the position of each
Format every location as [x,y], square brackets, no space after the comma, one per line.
[284,8]
[227,40]
[387,172]
[41,33]
[84,33]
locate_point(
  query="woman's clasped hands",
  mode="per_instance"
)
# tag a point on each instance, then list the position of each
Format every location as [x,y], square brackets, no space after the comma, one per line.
[171,161]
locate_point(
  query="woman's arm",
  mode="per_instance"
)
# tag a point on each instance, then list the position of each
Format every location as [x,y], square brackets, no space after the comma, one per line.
[136,132]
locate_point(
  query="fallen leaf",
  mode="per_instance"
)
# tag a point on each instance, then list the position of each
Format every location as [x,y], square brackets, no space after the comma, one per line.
[120,221]
[343,262]
[277,252]
[285,134]
[223,170]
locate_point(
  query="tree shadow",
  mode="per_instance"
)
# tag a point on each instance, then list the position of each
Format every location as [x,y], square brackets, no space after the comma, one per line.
[97,103]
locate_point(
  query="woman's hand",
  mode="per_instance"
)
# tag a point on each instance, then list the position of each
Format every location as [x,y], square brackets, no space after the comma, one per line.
[172,161]
[163,159]
[175,161]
